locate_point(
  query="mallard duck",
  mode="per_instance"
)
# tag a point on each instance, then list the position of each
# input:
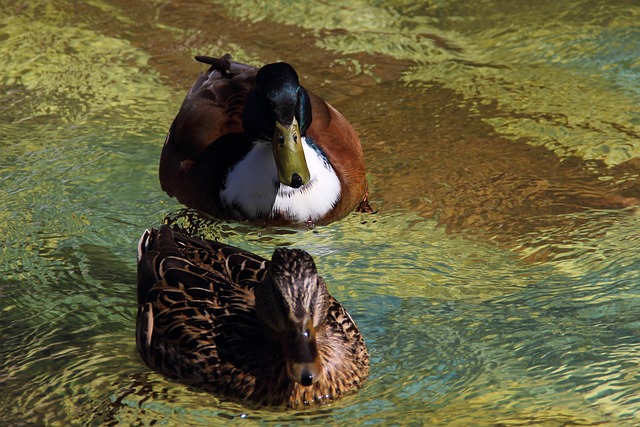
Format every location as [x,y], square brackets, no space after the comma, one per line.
[233,323]
[253,144]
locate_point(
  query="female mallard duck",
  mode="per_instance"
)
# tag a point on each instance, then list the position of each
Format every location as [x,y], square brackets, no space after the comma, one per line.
[229,321]
[253,144]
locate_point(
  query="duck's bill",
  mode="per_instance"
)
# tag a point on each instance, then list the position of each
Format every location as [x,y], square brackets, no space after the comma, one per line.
[289,155]
[301,355]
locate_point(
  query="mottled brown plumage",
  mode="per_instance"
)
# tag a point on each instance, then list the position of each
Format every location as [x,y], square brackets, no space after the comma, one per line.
[218,124]
[235,324]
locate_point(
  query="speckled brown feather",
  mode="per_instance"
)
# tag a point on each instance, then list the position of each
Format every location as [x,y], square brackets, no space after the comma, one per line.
[197,323]
[207,137]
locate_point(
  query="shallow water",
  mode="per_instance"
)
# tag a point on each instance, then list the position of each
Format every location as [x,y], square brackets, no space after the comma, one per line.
[498,284]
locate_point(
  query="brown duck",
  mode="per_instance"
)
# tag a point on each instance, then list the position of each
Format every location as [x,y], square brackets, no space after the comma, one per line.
[238,325]
[253,144]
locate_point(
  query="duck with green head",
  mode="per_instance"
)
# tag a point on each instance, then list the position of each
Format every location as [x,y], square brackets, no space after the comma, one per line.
[253,144]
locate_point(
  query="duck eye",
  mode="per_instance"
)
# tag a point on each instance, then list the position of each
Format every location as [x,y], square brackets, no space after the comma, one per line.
[295,138]
[281,140]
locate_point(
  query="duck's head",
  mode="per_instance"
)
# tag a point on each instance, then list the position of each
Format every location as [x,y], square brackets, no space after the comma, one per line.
[292,303]
[279,109]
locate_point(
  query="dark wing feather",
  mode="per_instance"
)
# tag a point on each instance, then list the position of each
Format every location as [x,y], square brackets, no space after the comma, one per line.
[207,137]
[212,108]
[196,317]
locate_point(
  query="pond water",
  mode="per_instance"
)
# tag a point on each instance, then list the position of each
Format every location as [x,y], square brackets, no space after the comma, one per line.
[497,285]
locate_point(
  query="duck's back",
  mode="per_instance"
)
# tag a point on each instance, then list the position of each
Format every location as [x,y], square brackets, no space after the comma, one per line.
[190,164]
[196,319]
[212,108]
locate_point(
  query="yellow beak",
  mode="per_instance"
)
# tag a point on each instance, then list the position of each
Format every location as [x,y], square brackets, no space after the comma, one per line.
[289,155]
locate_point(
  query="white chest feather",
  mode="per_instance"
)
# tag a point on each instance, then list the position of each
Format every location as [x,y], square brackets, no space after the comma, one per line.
[253,191]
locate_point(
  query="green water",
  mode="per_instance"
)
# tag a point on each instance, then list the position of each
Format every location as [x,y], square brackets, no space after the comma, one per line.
[498,284]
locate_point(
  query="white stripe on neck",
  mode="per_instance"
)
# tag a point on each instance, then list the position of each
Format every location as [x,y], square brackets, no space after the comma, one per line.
[253,191]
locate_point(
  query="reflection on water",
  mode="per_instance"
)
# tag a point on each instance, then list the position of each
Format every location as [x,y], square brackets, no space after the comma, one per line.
[497,284]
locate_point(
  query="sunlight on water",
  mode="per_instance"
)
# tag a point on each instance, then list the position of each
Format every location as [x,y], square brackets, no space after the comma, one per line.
[496,285]
[572,90]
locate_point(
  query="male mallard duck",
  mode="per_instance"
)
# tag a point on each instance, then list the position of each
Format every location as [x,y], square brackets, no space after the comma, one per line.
[233,323]
[253,144]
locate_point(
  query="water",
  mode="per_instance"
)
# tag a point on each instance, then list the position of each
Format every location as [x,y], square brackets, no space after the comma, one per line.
[496,286]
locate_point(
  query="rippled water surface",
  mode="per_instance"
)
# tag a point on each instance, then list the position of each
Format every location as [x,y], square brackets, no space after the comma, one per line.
[497,285]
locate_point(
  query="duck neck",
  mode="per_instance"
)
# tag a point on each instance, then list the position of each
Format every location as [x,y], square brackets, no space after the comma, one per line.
[252,189]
